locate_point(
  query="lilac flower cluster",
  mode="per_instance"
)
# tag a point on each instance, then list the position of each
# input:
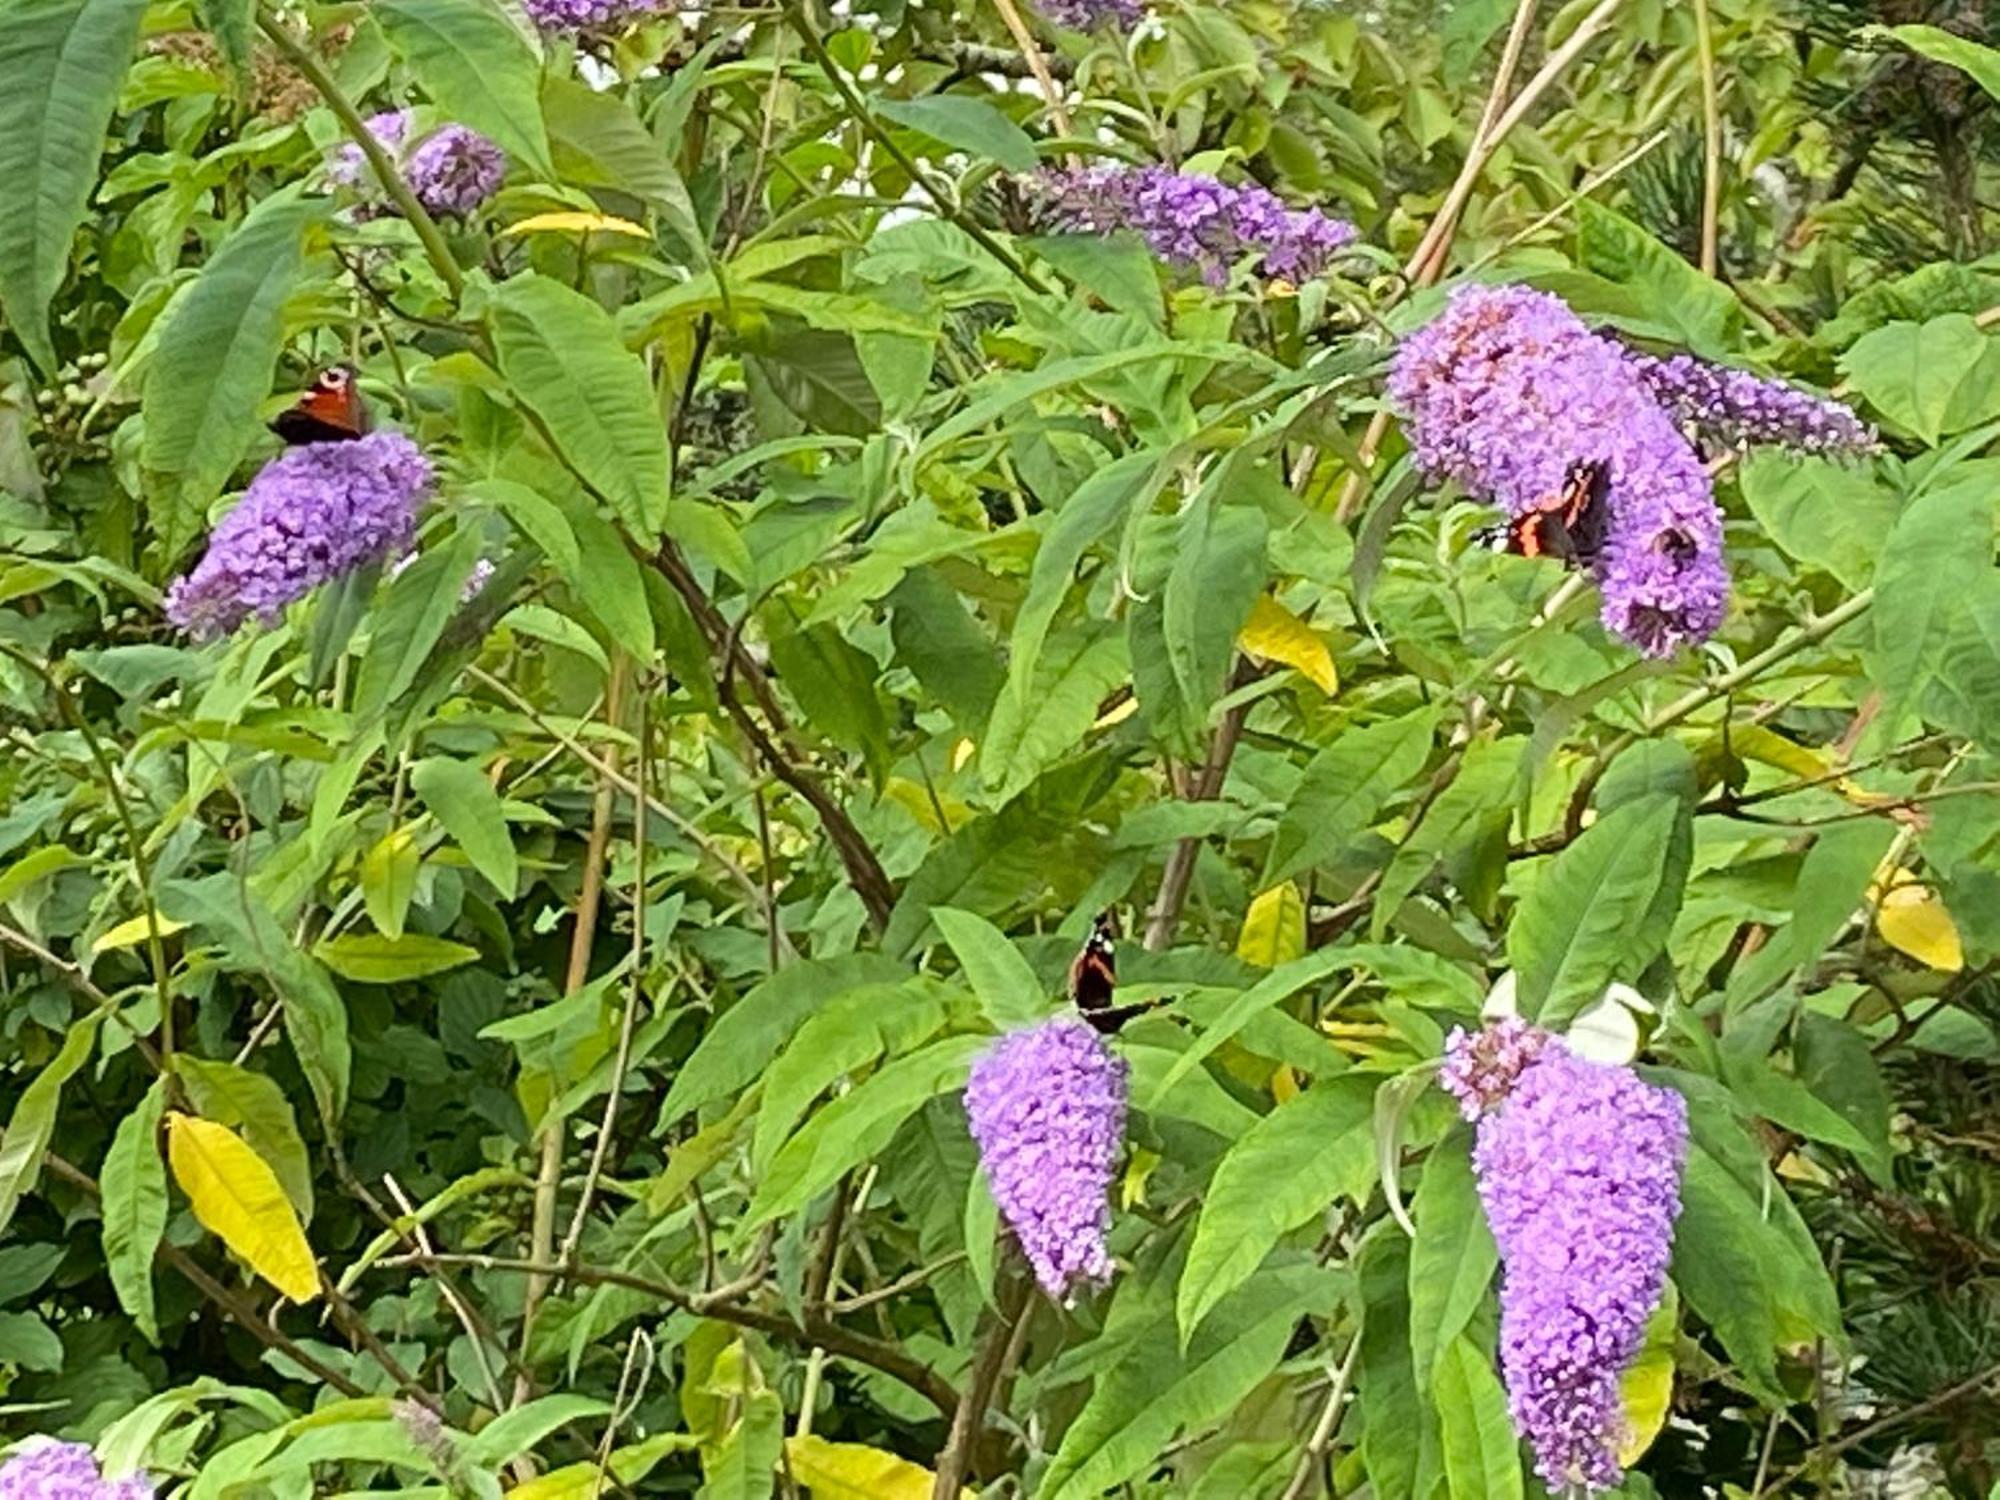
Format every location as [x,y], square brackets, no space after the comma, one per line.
[1088,15]
[1738,409]
[1047,1107]
[1579,1170]
[44,1469]
[1195,221]
[591,18]
[311,514]
[1507,391]
[451,171]
[1481,1068]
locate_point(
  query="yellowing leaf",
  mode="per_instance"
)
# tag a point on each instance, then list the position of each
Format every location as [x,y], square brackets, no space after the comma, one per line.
[238,1199]
[1758,743]
[854,1471]
[1138,1172]
[962,752]
[1274,929]
[132,933]
[585,1481]
[1284,1083]
[920,804]
[1648,1383]
[1913,920]
[1276,634]
[1118,713]
[572,221]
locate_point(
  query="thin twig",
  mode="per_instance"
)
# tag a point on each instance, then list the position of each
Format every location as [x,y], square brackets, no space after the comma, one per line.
[954,1460]
[1324,1430]
[1811,633]
[1165,915]
[1031,53]
[1711,140]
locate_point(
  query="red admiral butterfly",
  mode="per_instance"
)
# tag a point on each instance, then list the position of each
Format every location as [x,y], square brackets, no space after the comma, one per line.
[1568,525]
[1093,976]
[330,412]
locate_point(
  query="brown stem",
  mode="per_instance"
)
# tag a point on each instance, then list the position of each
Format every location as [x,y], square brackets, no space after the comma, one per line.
[1206,787]
[1711,140]
[954,1460]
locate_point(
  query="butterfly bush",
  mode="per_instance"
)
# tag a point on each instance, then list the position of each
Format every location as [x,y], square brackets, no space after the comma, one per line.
[1194,221]
[1088,15]
[1507,390]
[588,17]
[1579,1170]
[44,1469]
[1047,1107]
[451,172]
[312,514]
[1738,409]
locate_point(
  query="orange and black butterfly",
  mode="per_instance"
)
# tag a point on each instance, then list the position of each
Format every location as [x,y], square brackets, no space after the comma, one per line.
[330,411]
[1567,525]
[1093,975]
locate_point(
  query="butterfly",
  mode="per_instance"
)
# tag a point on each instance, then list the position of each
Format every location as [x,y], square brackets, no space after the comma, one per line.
[330,411]
[1093,975]
[1567,525]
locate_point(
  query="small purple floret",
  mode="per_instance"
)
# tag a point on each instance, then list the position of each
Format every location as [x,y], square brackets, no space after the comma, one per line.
[1088,15]
[312,514]
[1047,1107]
[44,1469]
[1507,391]
[590,18]
[452,171]
[1579,1171]
[1195,221]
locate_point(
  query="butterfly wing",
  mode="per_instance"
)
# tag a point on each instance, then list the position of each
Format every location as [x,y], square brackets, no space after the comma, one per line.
[330,411]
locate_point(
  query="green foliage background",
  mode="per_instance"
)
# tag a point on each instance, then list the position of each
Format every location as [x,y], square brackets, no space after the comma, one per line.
[933,583]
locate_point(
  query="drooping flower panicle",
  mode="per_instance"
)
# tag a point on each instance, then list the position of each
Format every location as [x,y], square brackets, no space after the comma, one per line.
[1197,222]
[312,514]
[1089,15]
[588,18]
[1579,1171]
[451,172]
[1047,1107]
[1507,390]
[44,1469]
[1738,409]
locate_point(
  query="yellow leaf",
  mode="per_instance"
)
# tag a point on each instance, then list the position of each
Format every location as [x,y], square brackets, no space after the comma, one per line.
[961,753]
[854,1471]
[1138,1172]
[1274,929]
[1276,634]
[1648,1383]
[1284,1083]
[1913,920]
[574,222]
[238,1199]
[586,1481]
[1118,713]
[919,803]
[1756,742]
[130,934]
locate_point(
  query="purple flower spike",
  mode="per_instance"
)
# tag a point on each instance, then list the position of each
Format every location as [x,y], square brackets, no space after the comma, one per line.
[1195,221]
[1579,1171]
[1738,409]
[455,170]
[44,1469]
[1481,1067]
[589,18]
[312,514]
[1088,15]
[1507,391]
[1047,1107]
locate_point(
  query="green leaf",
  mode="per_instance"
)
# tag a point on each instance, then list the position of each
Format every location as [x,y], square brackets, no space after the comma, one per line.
[218,344]
[389,880]
[938,639]
[739,1043]
[1287,1168]
[33,1124]
[1700,309]
[466,805]
[1928,378]
[64,61]
[834,683]
[1218,572]
[562,355]
[858,1124]
[134,1183]
[742,1467]
[1118,269]
[1979,61]
[609,582]
[1835,1061]
[370,958]
[1831,883]
[538,519]
[600,143]
[1399,1434]
[1828,515]
[256,1105]
[1479,800]
[410,620]
[1580,926]
[27,1340]
[1342,789]
[1157,1390]
[1482,1458]
[1280,984]
[1006,986]
[478,63]
[1037,723]
[516,1433]
[1924,583]
[1452,1257]
[233,24]
[966,124]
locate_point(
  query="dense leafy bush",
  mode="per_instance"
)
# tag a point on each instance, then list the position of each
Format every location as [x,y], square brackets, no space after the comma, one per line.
[501,914]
